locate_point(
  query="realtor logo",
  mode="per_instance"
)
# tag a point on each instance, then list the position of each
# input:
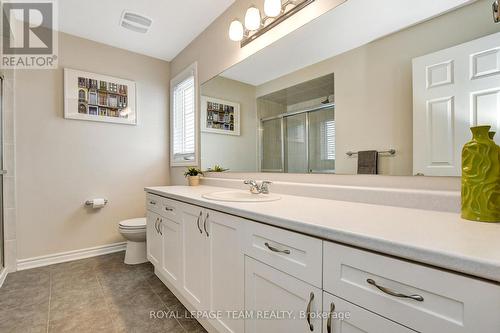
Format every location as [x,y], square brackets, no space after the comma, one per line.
[29,37]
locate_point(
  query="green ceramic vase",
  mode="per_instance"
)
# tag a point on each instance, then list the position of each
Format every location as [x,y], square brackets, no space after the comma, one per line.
[481,177]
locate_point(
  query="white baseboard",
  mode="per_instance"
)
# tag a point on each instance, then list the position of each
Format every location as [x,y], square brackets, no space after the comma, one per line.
[3,275]
[69,256]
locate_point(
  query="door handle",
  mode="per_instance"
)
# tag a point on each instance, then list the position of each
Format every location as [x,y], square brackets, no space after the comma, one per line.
[329,321]
[395,294]
[159,227]
[3,172]
[198,222]
[156,225]
[205,225]
[272,248]
[308,312]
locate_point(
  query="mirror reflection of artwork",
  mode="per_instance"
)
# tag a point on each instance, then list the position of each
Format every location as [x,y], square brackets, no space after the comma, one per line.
[95,97]
[219,116]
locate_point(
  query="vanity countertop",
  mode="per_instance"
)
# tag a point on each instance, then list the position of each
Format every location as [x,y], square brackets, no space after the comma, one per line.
[440,239]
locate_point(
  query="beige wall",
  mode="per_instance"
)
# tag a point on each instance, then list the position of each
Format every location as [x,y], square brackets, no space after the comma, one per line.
[238,153]
[61,163]
[215,52]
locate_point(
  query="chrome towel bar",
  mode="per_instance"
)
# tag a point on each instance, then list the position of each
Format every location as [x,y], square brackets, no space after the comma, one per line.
[391,152]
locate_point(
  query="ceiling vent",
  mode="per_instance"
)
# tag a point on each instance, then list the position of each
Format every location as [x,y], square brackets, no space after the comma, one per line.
[135,22]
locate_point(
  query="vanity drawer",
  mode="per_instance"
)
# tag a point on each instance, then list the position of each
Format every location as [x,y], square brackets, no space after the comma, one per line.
[153,203]
[440,301]
[289,252]
[170,209]
[347,317]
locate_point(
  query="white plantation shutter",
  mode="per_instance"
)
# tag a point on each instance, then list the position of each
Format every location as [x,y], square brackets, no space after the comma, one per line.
[328,140]
[184,119]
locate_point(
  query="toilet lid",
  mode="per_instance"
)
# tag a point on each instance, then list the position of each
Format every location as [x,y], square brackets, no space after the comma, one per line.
[138,223]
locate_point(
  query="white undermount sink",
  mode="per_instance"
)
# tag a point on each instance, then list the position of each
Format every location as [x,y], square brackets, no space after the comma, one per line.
[240,196]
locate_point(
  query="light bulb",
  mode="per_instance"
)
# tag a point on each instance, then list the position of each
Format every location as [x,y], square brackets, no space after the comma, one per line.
[272,8]
[236,31]
[252,18]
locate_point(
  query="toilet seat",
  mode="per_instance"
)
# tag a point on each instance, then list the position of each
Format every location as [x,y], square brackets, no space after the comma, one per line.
[133,224]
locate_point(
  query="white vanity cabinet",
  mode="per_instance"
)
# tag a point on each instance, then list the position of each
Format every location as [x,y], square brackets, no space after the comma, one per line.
[171,250]
[212,264]
[154,238]
[195,261]
[280,302]
[420,297]
[197,251]
[275,280]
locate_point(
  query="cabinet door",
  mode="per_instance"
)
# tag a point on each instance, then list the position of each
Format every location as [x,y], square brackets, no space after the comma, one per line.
[171,266]
[153,239]
[194,257]
[295,302]
[226,268]
[343,317]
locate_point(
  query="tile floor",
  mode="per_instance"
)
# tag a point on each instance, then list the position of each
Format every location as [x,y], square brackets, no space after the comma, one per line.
[99,294]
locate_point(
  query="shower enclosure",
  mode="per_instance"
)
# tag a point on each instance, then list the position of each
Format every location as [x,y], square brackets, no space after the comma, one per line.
[300,141]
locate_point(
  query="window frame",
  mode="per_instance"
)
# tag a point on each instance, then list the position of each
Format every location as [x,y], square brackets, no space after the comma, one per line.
[191,70]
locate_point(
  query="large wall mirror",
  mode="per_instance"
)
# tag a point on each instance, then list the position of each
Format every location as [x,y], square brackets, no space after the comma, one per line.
[360,90]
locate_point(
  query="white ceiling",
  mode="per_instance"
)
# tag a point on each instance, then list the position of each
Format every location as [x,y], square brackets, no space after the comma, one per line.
[352,24]
[175,23]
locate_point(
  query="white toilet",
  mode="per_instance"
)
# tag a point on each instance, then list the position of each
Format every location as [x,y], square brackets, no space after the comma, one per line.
[134,231]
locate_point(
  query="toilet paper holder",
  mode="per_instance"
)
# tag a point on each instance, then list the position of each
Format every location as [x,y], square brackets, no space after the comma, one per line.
[91,202]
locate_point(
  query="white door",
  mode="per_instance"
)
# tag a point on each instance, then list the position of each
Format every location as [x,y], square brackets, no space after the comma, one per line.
[295,302]
[227,276]
[194,257]
[171,266]
[153,238]
[344,317]
[454,89]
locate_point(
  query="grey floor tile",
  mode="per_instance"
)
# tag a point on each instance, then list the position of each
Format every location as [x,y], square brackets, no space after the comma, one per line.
[184,317]
[99,294]
[87,319]
[24,319]
[12,299]
[37,277]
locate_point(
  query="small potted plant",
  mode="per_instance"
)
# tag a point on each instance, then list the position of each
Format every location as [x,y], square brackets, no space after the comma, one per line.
[217,168]
[193,176]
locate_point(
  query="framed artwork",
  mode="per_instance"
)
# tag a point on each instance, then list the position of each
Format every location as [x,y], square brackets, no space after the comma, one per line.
[95,97]
[219,116]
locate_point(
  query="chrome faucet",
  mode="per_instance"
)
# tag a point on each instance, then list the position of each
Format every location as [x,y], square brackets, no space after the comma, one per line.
[255,188]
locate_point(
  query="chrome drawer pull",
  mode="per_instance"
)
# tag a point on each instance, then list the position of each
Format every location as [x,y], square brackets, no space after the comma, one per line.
[152,202]
[329,321]
[275,249]
[205,225]
[395,294]
[198,222]
[169,209]
[308,312]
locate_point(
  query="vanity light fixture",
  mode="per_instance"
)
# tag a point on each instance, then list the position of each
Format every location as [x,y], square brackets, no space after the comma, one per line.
[275,11]
[496,11]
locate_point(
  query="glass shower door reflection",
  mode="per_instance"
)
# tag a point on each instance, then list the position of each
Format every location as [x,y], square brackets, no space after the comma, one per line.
[322,141]
[296,144]
[271,142]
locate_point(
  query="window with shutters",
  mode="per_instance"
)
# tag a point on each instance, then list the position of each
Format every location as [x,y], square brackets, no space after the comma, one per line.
[183,118]
[328,140]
